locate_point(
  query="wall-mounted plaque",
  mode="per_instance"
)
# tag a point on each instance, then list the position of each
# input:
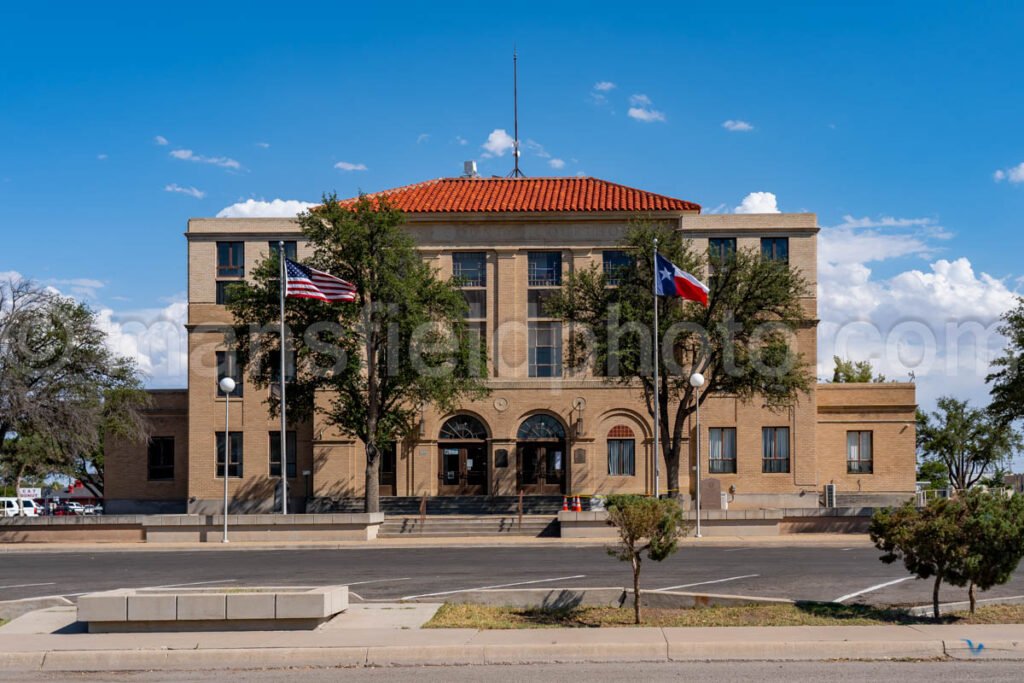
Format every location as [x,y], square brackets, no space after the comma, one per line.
[501,458]
[579,457]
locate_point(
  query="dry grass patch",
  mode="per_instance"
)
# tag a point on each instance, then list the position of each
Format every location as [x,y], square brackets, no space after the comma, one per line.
[800,614]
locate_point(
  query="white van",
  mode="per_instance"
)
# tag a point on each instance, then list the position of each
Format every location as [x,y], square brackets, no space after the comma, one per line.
[9,507]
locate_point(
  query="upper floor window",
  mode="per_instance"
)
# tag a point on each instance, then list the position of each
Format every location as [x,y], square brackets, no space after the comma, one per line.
[290,248]
[615,261]
[230,259]
[859,453]
[160,458]
[722,447]
[226,289]
[544,268]
[273,361]
[227,366]
[721,250]
[545,349]
[470,267]
[775,450]
[275,454]
[775,248]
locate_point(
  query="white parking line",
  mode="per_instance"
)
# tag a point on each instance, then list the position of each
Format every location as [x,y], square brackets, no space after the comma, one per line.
[704,583]
[844,598]
[363,583]
[503,585]
[27,585]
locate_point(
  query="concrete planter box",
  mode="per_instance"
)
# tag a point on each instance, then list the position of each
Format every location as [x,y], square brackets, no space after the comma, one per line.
[248,609]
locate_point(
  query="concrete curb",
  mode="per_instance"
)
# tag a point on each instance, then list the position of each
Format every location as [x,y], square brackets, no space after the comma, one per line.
[12,609]
[655,650]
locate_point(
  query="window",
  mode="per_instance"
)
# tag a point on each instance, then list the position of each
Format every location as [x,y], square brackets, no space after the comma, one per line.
[224,291]
[545,349]
[274,365]
[775,248]
[290,248]
[722,444]
[721,249]
[545,268]
[614,263]
[235,462]
[621,452]
[470,267]
[775,450]
[230,259]
[859,453]
[160,460]
[275,454]
[227,366]
[476,300]
[536,302]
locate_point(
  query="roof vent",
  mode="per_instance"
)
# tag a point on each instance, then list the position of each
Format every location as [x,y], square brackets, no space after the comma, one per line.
[469,169]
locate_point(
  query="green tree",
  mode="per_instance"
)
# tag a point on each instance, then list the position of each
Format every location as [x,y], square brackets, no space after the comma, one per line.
[992,531]
[741,343]
[935,473]
[849,371]
[929,540]
[123,418]
[56,374]
[645,525]
[1007,378]
[377,362]
[970,442]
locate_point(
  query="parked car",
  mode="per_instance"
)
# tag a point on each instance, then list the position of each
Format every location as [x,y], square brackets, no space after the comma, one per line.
[65,510]
[9,507]
[96,509]
[77,507]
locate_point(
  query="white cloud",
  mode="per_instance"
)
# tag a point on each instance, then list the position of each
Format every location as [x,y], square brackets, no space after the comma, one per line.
[538,149]
[189,155]
[737,126]
[604,86]
[1015,174]
[498,142]
[349,166]
[641,109]
[252,208]
[160,140]
[556,164]
[155,338]
[263,145]
[79,287]
[758,202]
[190,191]
[422,137]
[461,140]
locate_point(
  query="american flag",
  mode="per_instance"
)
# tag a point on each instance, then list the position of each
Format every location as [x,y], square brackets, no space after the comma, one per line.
[304,282]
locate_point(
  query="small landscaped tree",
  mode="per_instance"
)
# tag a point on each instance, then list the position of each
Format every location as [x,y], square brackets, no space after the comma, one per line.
[929,540]
[849,371]
[992,529]
[645,525]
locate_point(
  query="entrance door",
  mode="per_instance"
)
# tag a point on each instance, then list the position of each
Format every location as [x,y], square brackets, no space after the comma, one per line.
[462,469]
[387,474]
[542,468]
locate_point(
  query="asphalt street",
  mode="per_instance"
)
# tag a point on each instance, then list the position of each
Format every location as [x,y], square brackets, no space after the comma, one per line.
[799,573]
[785,672]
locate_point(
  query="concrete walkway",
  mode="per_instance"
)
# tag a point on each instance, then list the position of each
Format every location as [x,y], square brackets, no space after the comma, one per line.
[784,541]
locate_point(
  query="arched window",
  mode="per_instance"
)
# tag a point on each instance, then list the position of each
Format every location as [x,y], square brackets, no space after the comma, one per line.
[463,428]
[621,452]
[541,427]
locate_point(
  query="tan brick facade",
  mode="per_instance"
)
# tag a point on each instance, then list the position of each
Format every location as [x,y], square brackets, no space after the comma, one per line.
[587,409]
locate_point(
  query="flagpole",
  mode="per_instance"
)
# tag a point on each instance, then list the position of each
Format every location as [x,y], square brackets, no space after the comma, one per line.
[284,421]
[657,403]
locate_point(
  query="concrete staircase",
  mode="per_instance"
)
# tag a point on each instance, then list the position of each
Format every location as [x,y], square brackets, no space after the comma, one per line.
[455,526]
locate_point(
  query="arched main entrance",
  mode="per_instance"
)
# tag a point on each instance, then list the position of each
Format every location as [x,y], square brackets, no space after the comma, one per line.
[540,446]
[462,457]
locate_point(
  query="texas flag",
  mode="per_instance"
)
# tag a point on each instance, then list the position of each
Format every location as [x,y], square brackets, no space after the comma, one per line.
[674,281]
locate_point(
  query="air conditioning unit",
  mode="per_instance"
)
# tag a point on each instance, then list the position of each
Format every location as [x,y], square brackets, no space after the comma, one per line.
[830,495]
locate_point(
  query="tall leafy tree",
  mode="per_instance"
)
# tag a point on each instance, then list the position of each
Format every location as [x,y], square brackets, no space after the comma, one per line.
[861,371]
[742,342]
[1007,378]
[402,345]
[969,442]
[60,385]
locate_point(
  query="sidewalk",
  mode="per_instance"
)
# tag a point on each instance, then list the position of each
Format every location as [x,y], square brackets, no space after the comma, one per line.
[783,541]
[390,647]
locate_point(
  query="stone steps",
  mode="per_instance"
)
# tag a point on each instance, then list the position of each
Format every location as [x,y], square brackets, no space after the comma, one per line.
[463,526]
[450,505]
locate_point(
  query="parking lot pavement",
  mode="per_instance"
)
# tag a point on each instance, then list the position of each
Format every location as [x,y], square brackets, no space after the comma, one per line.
[799,573]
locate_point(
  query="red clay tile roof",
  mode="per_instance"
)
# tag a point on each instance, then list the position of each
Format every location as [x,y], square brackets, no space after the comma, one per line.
[464,195]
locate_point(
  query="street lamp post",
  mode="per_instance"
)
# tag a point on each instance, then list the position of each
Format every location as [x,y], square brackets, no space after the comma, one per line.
[697,381]
[227,385]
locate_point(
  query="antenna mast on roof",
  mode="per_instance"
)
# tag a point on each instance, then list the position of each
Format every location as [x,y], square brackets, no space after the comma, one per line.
[516,173]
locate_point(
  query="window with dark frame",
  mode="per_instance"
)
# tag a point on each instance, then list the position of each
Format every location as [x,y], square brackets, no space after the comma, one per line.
[621,452]
[470,267]
[291,248]
[160,459]
[614,262]
[859,452]
[721,250]
[275,454]
[775,249]
[544,334]
[775,450]
[225,291]
[545,349]
[227,366]
[235,463]
[544,268]
[722,450]
[273,360]
[231,259]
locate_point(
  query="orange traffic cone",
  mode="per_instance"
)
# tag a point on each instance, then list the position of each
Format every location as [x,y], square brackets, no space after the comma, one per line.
[576,506]
[565,504]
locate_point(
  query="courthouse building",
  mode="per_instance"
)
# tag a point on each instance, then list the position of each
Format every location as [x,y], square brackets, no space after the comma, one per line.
[541,430]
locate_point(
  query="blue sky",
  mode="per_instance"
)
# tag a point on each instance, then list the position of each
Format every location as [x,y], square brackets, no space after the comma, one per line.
[898,124]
